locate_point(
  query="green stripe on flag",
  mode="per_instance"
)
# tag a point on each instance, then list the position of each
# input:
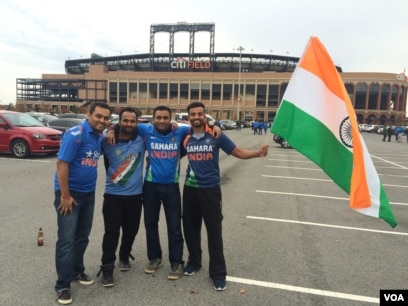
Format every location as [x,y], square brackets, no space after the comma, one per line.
[313,139]
[386,212]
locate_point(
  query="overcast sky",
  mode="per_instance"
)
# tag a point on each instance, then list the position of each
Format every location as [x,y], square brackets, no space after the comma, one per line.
[38,36]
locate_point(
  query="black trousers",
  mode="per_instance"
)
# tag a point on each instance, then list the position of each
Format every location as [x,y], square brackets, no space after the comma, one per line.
[120,212]
[204,204]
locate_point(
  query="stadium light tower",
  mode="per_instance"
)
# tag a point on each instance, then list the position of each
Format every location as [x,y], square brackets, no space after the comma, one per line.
[240,49]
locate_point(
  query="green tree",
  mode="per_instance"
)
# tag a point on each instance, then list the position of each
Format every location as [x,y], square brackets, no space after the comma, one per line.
[74,108]
[11,107]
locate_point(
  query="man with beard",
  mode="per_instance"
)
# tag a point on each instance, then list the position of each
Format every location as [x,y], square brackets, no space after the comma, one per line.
[202,193]
[122,204]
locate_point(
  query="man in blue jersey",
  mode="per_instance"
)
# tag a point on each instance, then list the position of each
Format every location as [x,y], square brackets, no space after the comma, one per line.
[202,193]
[122,205]
[74,184]
[161,186]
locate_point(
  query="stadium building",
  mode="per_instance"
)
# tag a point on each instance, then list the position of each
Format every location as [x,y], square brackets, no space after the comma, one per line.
[235,85]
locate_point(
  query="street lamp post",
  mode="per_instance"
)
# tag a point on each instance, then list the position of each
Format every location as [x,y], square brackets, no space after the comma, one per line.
[240,49]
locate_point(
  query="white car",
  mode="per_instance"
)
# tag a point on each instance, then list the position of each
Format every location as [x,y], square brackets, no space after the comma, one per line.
[362,127]
[370,128]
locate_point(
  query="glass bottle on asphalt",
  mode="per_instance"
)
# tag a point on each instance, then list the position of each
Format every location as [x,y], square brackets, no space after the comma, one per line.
[40,237]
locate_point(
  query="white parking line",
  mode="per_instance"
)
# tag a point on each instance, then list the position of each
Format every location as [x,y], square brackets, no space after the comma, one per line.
[322,180]
[297,178]
[329,225]
[334,294]
[312,169]
[396,168]
[393,175]
[293,161]
[316,196]
[384,160]
[25,160]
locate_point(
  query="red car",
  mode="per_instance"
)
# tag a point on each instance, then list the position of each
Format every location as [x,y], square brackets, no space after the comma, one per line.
[22,135]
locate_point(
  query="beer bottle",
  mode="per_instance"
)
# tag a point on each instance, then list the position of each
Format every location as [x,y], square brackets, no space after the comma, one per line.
[40,237]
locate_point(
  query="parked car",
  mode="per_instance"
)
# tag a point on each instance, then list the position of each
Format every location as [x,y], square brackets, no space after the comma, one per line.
[245,123]
[44,118]
[183,117]
[228,125]
[22,135]
[362,127]
[72,115]
[379,129]
[65,124]
[145,119]
[114,117]
[283,143]
[369,128]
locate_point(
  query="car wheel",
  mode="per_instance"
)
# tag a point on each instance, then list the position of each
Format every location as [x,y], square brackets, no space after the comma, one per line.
[284,144]
[20,148]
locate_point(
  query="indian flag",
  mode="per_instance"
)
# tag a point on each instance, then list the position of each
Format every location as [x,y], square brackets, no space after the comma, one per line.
[317,118]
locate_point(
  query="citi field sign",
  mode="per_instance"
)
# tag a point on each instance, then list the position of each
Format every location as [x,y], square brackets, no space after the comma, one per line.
[182,63]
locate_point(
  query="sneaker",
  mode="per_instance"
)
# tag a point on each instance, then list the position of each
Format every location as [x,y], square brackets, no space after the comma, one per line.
[64,297]
[220,284]
[107,278]
[176,271]
[189,270]
[153,265]
[124,265]
[84,279]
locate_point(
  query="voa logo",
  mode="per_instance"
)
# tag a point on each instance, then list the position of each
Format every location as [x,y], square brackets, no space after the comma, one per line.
[394,297]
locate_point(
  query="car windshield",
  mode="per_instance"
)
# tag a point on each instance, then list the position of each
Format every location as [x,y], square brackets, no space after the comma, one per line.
[22,120]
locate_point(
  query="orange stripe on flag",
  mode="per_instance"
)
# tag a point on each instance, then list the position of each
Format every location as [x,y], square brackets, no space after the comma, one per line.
[317,61]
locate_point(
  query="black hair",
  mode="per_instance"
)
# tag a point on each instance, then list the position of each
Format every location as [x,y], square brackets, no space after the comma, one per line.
[128,109]
[161,108]
[195,104]
[99,104]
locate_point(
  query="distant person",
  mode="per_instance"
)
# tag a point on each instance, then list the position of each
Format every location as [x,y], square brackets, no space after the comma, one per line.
[406,132]
[398,133]
[265,127]
[385,132]
[74,184]
[239,124]
[390,132]
[255,126]
[123,197]
[202,193]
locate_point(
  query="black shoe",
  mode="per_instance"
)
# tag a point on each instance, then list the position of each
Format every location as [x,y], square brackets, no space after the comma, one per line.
[190,270]
[107,278]
[124,265]
[220,284]
[153,265]
[176,271]
[64,297]
[84,279]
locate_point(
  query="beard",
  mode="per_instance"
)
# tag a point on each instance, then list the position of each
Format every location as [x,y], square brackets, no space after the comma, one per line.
[126,130]
[197,123]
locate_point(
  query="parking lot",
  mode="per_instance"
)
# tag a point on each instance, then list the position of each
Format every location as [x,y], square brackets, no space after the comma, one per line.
[289,236]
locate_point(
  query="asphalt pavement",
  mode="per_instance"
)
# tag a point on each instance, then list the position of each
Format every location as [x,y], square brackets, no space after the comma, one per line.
[289,236]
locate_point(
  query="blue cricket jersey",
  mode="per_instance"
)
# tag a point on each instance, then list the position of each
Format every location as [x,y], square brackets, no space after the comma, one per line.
[203,155]
[81,148]
[164,153]
[125,172]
